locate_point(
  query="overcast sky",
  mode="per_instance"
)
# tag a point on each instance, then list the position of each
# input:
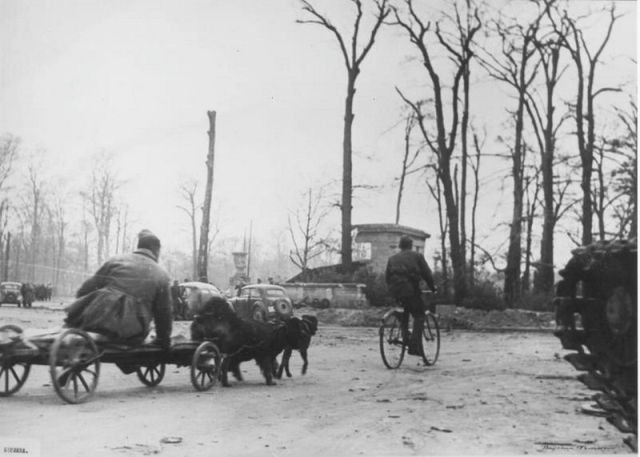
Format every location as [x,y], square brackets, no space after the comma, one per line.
[136,79]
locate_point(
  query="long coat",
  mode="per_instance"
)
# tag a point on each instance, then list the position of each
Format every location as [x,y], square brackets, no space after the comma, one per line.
[123,297]
[404,272]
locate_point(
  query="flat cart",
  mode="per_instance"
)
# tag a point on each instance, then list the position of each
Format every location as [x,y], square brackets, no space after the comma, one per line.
[74,358]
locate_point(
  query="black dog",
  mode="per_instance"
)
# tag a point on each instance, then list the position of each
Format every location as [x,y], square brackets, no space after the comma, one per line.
[239,340]
[298,336]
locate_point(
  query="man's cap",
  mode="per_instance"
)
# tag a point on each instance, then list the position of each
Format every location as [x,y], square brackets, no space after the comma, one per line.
[405,242]
[147,236]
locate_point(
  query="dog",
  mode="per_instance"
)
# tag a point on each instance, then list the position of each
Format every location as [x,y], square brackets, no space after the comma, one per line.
[298,336]
[238,339]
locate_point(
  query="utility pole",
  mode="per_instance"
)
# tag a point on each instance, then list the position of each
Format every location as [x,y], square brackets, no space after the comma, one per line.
[6,257]
[249,256]
[203,251]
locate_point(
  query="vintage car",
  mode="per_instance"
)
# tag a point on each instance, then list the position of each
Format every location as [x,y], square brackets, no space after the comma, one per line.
[10,293]
[262,302]
[195,294]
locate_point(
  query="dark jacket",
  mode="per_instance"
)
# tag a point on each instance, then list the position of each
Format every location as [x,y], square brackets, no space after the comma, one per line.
[404,272]
[122,298]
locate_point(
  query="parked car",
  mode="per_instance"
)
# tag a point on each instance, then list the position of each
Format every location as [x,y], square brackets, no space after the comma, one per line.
[10,293]
[262,302]
[195,294]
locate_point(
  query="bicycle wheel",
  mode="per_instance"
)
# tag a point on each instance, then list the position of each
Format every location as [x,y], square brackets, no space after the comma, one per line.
[430,339]
[391,346]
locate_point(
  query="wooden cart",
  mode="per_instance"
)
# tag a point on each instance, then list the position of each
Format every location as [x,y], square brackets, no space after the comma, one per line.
[74,358]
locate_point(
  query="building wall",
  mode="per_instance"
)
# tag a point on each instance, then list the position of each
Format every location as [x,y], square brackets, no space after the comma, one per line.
[338,295]
[383,246]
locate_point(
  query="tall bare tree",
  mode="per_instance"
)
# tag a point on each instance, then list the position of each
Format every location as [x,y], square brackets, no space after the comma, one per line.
[517,67]
[436,192]
[188,191]
[532,189]
[101,200]
[203,248]
[353,58]
[444,143]
[36,211]
[624,151]
[304,230]
[475,167]
[9,149]
[586,61]
[408,160]
[541,108]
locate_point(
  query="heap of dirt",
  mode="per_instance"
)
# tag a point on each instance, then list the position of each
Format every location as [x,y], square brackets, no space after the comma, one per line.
[451,318]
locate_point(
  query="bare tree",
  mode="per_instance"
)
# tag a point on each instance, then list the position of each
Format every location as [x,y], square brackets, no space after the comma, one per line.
[475,167]
[36,210]
[188,191]
[353,58]
[444,143]
[101,200]
[59,232]
[531,181]
[304,226]
[407,160]
[517,68]
[436,193]
[9,149]
[586,94]
[203,249]
[624,151]
[542,112]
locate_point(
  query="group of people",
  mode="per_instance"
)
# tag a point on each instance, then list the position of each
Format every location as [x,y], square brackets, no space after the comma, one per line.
[131,290]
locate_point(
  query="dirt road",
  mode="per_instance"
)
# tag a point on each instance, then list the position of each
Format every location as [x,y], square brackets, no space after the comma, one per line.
[490,393]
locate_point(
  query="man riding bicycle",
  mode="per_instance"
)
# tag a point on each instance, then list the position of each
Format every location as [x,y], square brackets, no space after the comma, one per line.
[404,272]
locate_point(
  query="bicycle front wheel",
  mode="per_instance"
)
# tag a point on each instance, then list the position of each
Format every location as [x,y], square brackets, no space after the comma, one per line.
[430,339]
[391,346]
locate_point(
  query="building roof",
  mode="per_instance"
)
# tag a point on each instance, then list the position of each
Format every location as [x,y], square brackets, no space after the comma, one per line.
[391,228]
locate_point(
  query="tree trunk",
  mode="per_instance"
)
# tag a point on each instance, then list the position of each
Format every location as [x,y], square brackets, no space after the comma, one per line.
[347,176]
[545,276]
[457,261]
[194,247]
[512,285]
[203,252]
[464,127]
[405,159]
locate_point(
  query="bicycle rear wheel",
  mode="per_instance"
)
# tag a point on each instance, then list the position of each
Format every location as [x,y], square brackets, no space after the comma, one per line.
[391,346]
[430,339]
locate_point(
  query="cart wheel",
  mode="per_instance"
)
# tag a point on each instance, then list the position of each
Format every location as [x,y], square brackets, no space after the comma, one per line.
[151,374]
[430,339]
[74,365]
[391,346]
[205,366]
[12,377]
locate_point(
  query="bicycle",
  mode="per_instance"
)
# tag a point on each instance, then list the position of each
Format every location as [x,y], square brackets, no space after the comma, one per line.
[393,346]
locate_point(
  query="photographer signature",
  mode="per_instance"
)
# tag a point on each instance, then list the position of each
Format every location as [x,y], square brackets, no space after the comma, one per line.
[581,446]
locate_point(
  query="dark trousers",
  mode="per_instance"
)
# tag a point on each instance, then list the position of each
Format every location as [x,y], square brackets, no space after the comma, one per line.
[413,306]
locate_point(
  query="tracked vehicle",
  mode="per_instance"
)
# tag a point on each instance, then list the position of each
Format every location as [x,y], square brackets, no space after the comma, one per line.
[596,315]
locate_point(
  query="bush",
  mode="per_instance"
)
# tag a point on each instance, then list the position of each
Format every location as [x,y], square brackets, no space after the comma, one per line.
[376,290]
[536,301]
[484,295]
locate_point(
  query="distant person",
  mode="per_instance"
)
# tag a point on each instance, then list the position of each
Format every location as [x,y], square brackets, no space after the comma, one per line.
[28,294]
[259,281]
[177,301]
[270,280]
[125,295]
[403,274]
